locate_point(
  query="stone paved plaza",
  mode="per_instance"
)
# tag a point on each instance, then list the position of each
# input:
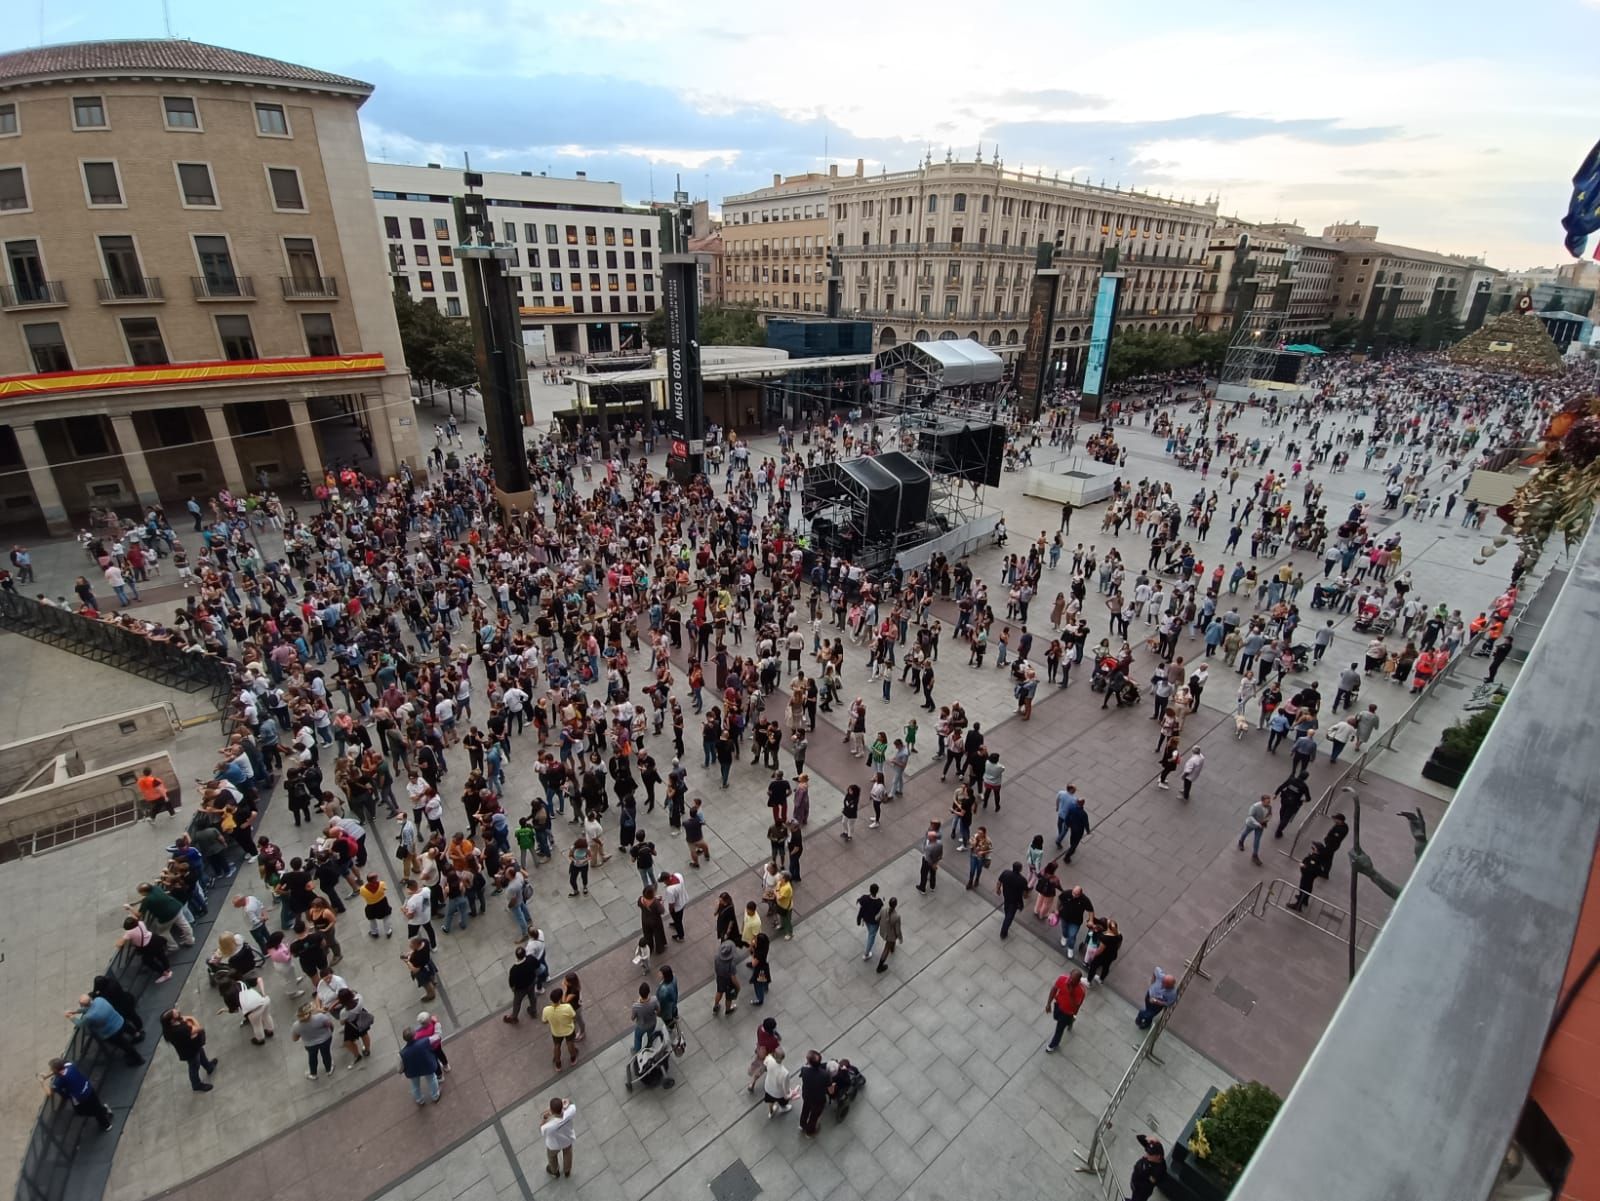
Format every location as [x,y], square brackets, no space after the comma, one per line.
[961,1103]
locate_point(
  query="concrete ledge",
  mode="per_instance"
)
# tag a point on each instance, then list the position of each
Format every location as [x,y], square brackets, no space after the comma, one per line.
[115,735]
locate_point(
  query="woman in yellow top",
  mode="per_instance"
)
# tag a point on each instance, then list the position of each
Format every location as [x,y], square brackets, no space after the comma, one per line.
[376,895]
[783,895]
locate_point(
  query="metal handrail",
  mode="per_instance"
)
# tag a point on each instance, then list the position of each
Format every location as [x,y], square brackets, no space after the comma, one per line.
[1272,898]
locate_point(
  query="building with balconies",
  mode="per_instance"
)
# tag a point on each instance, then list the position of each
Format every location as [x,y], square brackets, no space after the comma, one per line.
[194,292]
[948,250]
[775,244]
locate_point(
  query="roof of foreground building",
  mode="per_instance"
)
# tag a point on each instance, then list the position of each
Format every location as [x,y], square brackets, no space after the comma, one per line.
[162,57]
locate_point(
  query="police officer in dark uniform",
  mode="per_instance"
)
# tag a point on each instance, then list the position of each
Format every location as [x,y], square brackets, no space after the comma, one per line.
[1149,1171]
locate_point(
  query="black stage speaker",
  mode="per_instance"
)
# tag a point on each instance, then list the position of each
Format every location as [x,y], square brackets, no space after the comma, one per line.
[973,453]
[1286,369]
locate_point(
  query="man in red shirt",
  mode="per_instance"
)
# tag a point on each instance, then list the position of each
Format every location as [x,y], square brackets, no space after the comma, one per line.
[1066,998]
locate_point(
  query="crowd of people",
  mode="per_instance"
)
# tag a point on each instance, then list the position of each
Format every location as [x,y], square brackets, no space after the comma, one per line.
[410,642]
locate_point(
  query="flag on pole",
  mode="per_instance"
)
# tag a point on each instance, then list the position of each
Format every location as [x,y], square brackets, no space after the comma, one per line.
[1583,210]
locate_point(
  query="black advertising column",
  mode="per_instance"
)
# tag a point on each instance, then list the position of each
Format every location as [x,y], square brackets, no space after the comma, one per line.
[1108,293]
[686,410]
[496,331]
[1034,370]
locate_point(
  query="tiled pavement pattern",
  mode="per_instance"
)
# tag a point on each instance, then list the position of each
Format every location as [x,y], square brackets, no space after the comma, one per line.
[1163,869]
[960,1101]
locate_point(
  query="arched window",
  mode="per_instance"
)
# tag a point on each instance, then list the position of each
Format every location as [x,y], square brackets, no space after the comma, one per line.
[887,337]
[921,336]
[972,335]
[948,335]
[1061,333]
[958,202]
[1011,337]
[994,337]
[1075,335]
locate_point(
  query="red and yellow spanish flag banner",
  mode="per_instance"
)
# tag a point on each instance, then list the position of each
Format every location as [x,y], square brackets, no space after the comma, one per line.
[99,379]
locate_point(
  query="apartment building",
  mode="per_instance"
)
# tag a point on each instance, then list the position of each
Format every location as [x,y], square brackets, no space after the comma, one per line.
[1366,263]
[775,244]
[1243,266]
[586,269]
[194,293]
[1283,252]
[947,250]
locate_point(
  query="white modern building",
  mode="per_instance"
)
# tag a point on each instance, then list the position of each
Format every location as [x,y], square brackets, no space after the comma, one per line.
[587,266]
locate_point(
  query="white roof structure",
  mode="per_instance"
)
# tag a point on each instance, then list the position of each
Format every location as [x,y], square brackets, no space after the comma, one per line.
[956,363]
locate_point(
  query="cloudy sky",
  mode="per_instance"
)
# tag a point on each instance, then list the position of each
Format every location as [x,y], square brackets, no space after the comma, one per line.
[1454,126]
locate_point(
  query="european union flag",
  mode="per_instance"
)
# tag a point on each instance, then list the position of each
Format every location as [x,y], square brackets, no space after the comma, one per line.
[1583,210]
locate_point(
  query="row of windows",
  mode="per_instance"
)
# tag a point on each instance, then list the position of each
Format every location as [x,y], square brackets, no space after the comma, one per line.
[125,273]
[784,245]
[147,347]
[614,282]
[592,235]
[601,304]
[797,212]
[896,206]
[180,114]
[777,275]
[197,187]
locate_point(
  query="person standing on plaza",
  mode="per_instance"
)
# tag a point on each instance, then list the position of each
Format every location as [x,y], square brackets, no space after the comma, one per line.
[724,967]
[64,1079]
[419,1063]
[563,1022]
[556,1125]
[1075,910]
[188,1039]
[1075,821]
[1161,994]
[978,852]
[313,1029]
[767,1041]
[814,1081]
[1255,825]
[1149,1172]
[1065,999]
[775,1083]
[100,1018]
[1302,753]
[932,853]
[1192,767]
[1012,889]
[783,901]
[646,1013]
[889,927]
[869,908]
[851,810]
[523,980]
[675,896]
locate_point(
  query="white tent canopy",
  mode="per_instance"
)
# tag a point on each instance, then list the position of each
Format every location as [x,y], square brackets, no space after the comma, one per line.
[955,363]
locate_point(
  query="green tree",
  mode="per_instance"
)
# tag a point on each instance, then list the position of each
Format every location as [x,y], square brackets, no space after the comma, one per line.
[1342,333]
[720,325]
[438,349]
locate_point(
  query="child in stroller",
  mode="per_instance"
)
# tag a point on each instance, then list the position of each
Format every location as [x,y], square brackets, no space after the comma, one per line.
[846,1086]
[652,1063]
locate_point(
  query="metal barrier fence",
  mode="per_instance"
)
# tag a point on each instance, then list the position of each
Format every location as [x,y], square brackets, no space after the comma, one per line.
[109,643]
[953,544]
[1325,911]
[1382,742]
[48,1165]
[1096,1159]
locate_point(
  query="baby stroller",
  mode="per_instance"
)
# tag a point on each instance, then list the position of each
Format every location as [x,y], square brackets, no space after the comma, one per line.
[847,1085]
[651,1064]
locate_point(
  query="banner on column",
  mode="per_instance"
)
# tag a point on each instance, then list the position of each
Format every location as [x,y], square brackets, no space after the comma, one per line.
[1100,331]
[686,412]
[1034,370]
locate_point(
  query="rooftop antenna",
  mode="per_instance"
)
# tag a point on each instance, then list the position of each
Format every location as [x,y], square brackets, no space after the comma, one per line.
[166,16]
[652,183]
